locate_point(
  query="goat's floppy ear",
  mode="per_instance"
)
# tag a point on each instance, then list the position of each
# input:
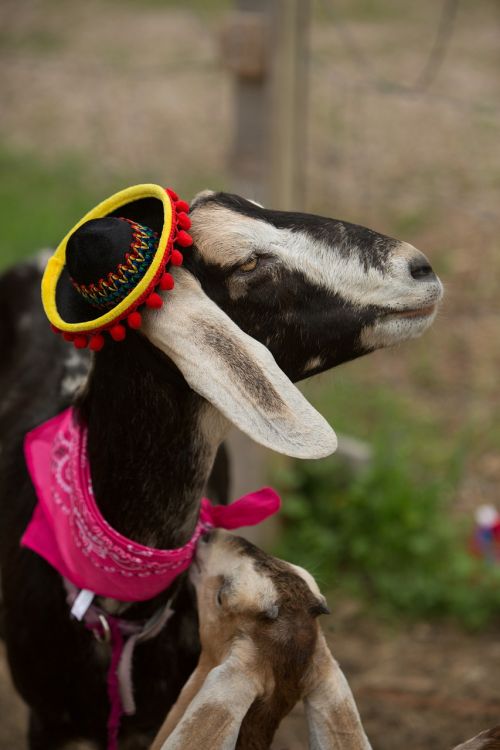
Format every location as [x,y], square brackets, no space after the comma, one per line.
[332,716]
[214,715]
[236,373]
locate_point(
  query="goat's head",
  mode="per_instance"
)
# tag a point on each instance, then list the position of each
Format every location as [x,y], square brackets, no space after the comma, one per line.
[270,297]
[262,650]
[258,605]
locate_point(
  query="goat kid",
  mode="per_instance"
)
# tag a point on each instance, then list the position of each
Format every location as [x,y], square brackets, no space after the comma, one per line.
[263,299]
[262,651]
[487,740]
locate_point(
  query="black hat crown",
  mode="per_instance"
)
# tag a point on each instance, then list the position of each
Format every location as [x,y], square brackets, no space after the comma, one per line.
[107,257]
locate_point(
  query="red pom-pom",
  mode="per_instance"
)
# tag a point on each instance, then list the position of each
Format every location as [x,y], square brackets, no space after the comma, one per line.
[68,336]
[183,220]
[172,194]
[118,332]
[134,320]
[182,206]
[96,342]
[176,258]
[55,328]
[154,301]
[80,341]
[166,282]
[183,238]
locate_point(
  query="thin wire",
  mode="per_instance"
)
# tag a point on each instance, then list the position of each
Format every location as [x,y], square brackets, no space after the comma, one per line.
[432,65]
[440,47]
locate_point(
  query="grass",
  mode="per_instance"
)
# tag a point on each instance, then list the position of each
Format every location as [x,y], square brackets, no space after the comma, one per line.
[40,201]
[386,534]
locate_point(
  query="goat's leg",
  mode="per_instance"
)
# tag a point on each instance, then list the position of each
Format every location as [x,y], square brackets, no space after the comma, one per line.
[43,735]
[332,714]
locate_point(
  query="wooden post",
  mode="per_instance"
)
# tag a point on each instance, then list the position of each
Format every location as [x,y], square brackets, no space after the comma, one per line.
[265,46]
[289,93]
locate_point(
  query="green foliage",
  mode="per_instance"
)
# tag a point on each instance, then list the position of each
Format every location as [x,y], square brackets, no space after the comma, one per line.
[386,534]
[39,202]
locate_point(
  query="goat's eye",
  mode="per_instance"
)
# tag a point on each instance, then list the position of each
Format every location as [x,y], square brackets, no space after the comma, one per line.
[249,265]
[218,598]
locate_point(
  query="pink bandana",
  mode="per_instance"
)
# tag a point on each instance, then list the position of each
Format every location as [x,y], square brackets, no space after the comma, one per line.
[68,530]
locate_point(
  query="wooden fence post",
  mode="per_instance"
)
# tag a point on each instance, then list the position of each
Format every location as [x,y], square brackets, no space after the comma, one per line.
[265,46]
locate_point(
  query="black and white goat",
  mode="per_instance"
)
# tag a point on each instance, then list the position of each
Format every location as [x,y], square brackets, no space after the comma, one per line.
[262,651]
[265,298]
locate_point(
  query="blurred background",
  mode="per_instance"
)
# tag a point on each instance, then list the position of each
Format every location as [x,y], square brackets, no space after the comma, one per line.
[380,112]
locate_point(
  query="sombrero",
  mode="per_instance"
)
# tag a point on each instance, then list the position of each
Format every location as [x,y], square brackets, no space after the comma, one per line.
[114,261]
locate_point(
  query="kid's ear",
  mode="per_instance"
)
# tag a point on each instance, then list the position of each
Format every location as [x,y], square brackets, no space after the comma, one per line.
[332,715]
[214,710]
[236,373]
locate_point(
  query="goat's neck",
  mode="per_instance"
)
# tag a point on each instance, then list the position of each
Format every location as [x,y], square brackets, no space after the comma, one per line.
[260,725]
[151,443]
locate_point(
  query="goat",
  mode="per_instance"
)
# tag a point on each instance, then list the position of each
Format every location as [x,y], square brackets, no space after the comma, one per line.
[262,651]
[264,298]
[487,740]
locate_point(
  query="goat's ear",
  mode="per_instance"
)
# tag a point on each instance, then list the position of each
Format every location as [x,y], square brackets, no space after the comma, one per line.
[236,373]
[332,716]
[213,717]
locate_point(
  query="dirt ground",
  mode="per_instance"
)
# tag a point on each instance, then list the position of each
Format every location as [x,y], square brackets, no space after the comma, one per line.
[426,687]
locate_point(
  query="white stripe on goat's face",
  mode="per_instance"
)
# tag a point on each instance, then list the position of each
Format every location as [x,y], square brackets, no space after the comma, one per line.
[269,297]
[315,291]
[228,581]
[243,592]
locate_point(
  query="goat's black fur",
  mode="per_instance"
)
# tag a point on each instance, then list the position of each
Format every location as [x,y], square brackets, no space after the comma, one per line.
[149,468]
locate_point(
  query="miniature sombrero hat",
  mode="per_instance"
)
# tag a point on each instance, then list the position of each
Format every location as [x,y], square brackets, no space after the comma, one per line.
[114,261]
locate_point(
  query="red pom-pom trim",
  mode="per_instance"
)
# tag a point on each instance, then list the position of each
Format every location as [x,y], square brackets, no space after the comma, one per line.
[118,332]
[167,282]
[154,301]
[96,342]
[80,341]
[176,258]
[134,320]
[183,220]
[183,238]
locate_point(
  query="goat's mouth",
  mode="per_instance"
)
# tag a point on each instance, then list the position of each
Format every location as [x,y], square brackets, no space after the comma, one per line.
[419,312]
[392,327]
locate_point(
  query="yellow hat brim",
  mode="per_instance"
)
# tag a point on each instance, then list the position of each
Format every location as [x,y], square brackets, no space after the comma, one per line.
[57,262]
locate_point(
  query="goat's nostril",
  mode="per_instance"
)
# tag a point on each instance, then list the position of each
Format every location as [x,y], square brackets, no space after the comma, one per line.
[421,270]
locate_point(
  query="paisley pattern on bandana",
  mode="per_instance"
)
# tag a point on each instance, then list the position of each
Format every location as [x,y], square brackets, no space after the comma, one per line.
[68,530]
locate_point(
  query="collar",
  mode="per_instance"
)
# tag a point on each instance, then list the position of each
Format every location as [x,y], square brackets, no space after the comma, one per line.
[68,530]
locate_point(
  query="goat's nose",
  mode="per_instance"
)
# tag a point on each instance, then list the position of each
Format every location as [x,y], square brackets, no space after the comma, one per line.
[420,268]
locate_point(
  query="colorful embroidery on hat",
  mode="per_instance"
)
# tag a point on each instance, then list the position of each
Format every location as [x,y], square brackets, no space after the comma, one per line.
[107,292]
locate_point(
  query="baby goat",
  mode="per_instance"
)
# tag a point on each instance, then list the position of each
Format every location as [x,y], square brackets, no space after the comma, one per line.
[487,740]
[262,651]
